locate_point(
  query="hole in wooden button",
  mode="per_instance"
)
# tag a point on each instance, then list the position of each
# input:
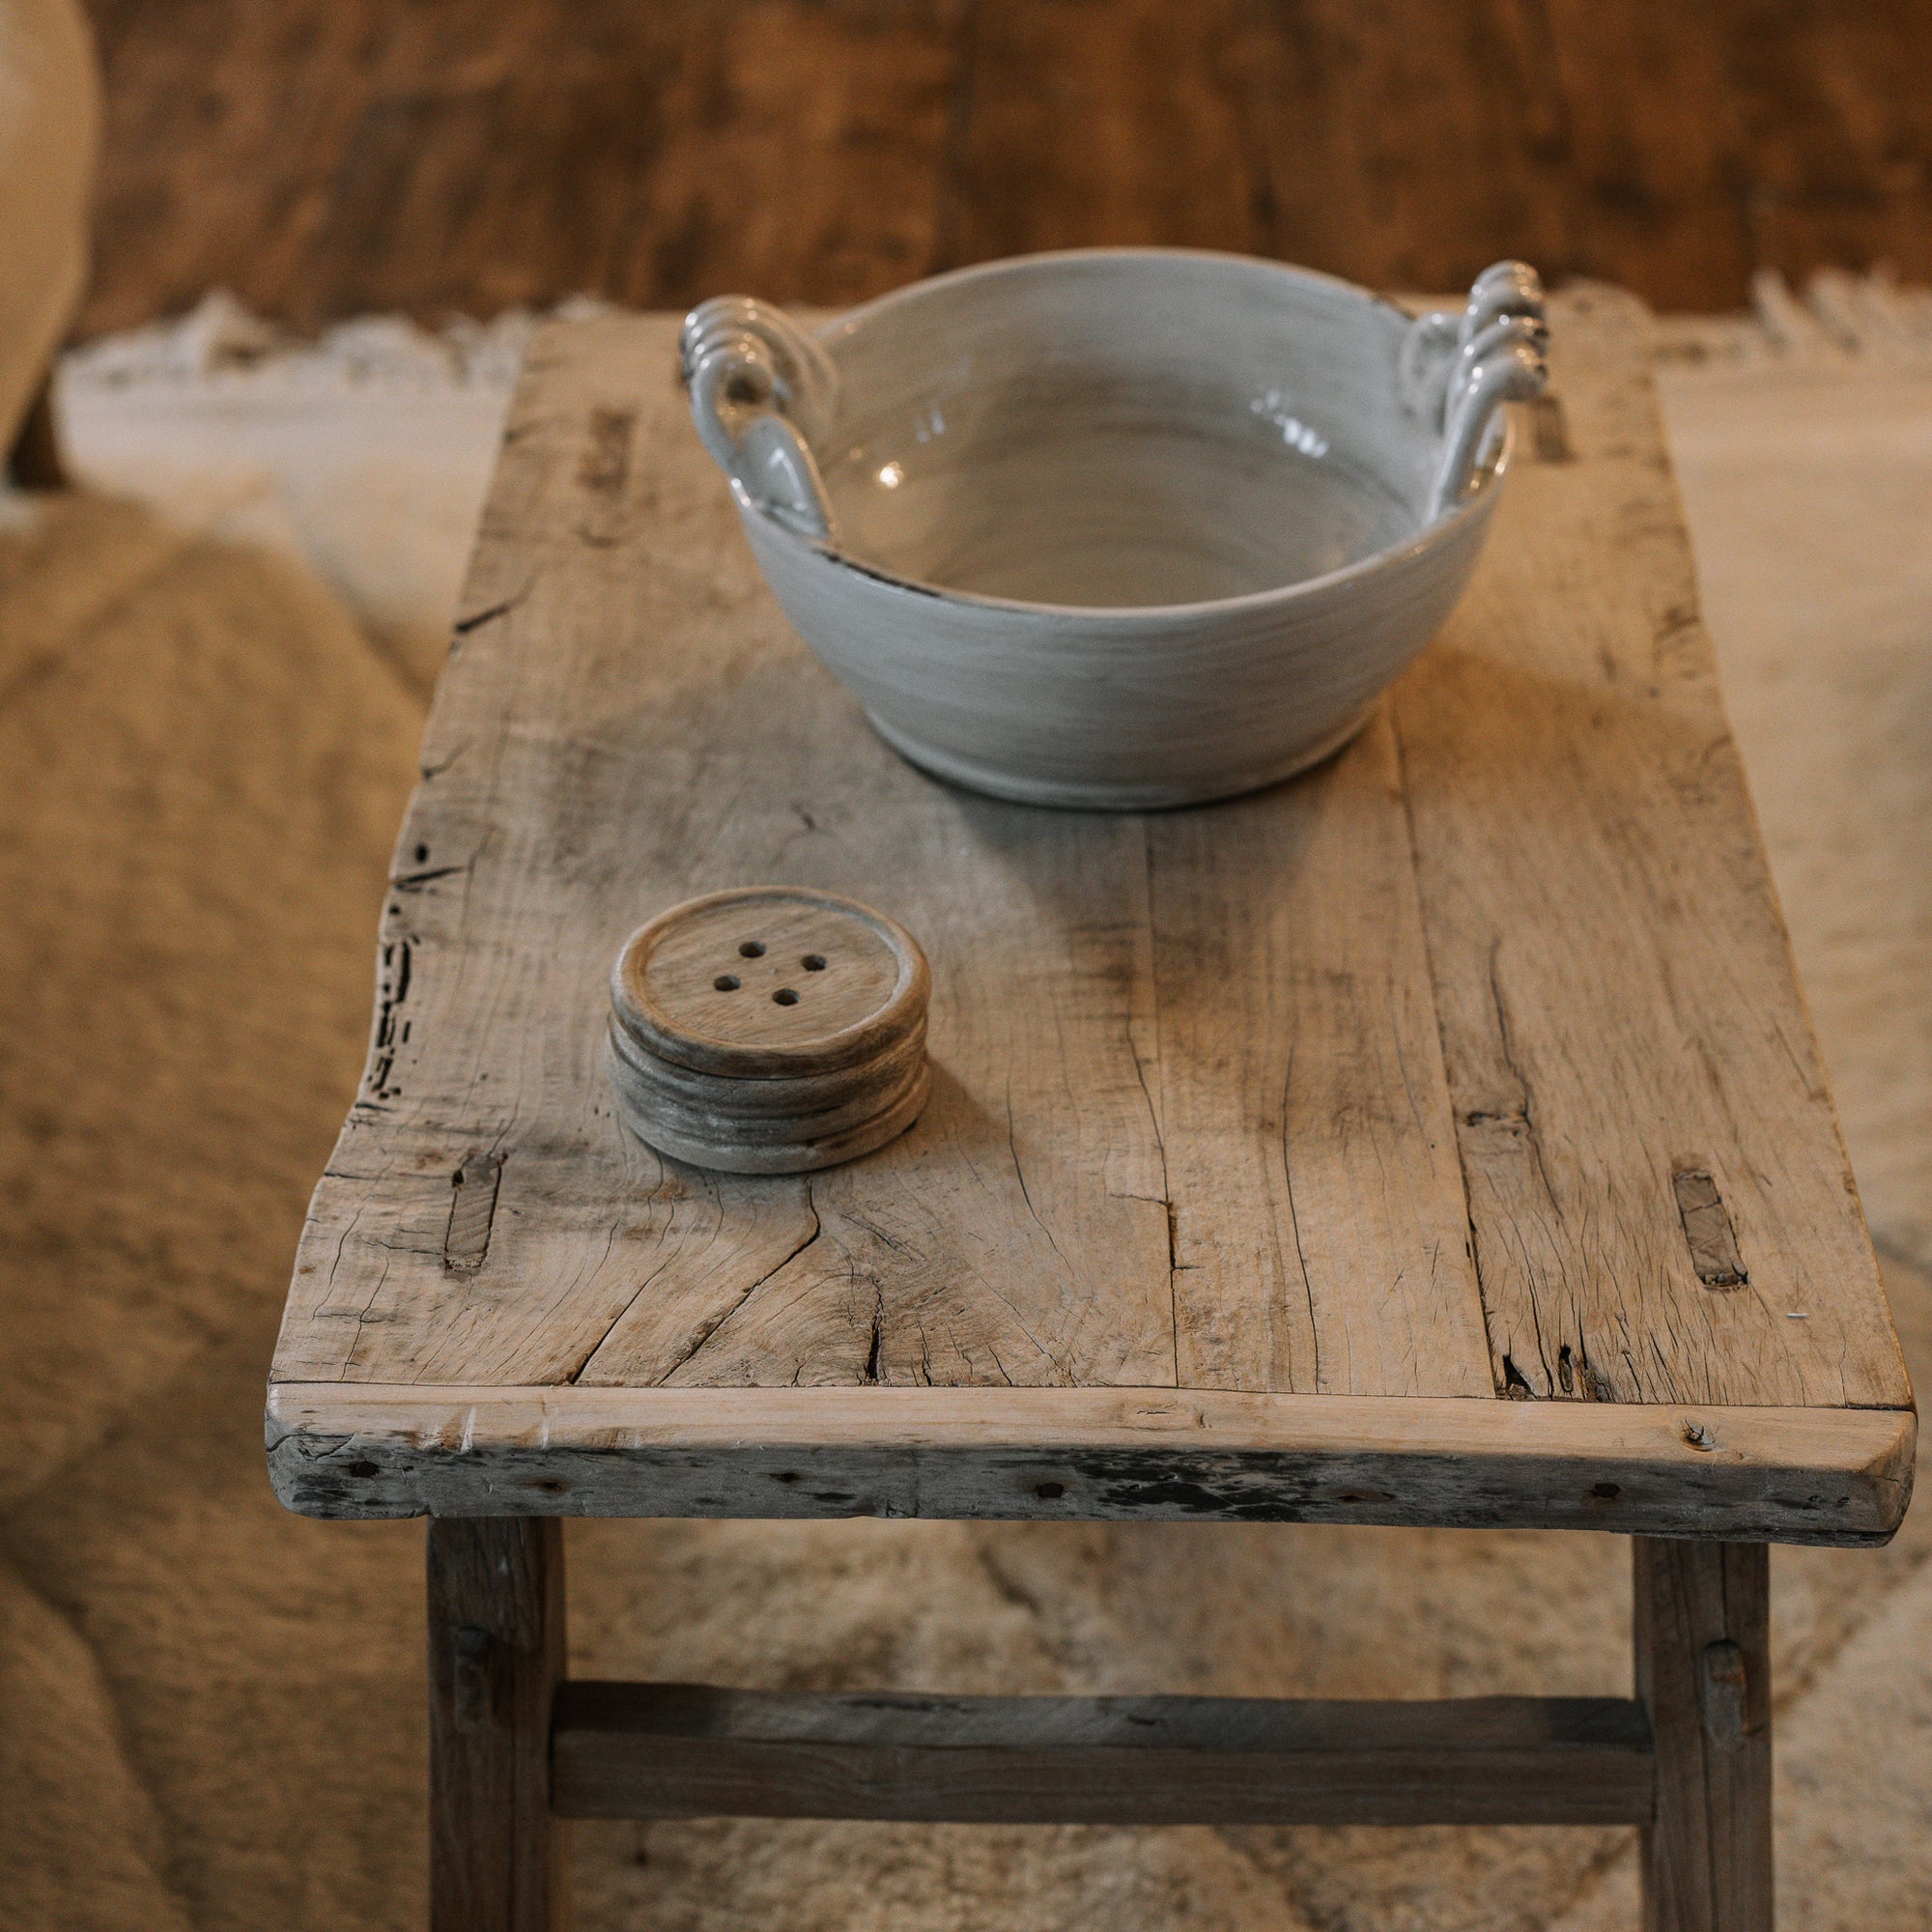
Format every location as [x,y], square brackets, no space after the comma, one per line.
[784,997]
[727,982]
[752,949]
[813,962]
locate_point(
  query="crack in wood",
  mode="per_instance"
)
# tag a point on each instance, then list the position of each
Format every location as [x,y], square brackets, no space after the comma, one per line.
[1294,1220]
[703,1338]
[871,1371]
[477,619]
[414,882]
[392,988]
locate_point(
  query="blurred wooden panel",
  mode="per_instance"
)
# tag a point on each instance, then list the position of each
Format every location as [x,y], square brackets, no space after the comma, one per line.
[225,131]
[1092,121]
[1411,146]
[1837,106]
[323,157]
[1653,150]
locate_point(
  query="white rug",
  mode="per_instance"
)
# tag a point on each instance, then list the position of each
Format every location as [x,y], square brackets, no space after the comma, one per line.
[214,1710]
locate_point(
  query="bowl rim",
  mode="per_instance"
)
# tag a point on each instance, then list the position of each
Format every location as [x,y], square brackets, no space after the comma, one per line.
[1490,476]
[847,320]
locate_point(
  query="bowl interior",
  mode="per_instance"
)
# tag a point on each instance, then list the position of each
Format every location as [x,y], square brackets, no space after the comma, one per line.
[1122,428]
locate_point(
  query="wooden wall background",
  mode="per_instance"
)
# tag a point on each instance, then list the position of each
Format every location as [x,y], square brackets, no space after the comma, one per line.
[325,156]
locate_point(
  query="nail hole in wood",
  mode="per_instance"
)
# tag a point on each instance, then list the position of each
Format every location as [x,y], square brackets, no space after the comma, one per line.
[727,982]
[786,996]
[1049,1491]
[752,949]
[813,962]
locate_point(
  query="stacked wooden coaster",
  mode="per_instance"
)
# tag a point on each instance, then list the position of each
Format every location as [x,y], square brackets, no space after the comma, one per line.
[770,1030]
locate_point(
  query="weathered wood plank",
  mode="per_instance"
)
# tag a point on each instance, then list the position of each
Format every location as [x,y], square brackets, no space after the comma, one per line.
[1617,1002]
[1827,1476]
[687,1750]
[1320,1236]
[1703,1673]
[495,1658]
[1192,1117]
[627,721]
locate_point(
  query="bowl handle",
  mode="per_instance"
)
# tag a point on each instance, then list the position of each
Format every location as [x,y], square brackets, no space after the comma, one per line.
[760,390]
[1455,370]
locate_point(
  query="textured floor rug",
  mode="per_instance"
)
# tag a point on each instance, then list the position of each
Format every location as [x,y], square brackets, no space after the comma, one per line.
[214,1710]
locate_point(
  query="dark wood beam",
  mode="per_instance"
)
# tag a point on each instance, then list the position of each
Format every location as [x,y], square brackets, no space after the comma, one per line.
[681,1750]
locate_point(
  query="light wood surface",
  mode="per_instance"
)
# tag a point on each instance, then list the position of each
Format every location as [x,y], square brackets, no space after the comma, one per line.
[1616,1000]
[1320,1241]
[1391,1084]
[1703,1673]
[770,982]
[689,1750]
[495,1657]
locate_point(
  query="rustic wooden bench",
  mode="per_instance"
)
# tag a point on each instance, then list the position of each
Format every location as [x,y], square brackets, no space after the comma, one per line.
[1439,1139]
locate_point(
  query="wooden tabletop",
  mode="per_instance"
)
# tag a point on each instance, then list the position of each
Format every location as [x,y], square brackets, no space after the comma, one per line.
[1439,1137]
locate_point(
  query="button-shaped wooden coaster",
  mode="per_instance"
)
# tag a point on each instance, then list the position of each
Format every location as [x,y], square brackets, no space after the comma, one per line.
[769,1030]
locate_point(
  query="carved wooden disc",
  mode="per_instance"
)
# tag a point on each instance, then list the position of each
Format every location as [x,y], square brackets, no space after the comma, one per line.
[769,1030]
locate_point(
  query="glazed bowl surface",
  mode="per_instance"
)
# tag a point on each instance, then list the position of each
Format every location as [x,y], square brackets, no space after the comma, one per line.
[1117,528]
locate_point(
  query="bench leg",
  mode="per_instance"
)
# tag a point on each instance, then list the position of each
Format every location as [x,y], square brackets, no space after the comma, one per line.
[1703,1670]
[495,1657]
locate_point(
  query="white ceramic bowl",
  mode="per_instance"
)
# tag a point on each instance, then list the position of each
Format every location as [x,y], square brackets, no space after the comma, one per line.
[1117,527]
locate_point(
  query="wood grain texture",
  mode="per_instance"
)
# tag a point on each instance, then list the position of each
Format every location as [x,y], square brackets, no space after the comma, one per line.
[325,156]
[1703,1673]
[1319,1236]
[1616,1000]
[495,1657]
[628,718]
[1829,1476]
[687,1750]
[1203,1082]
[1189,1123]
